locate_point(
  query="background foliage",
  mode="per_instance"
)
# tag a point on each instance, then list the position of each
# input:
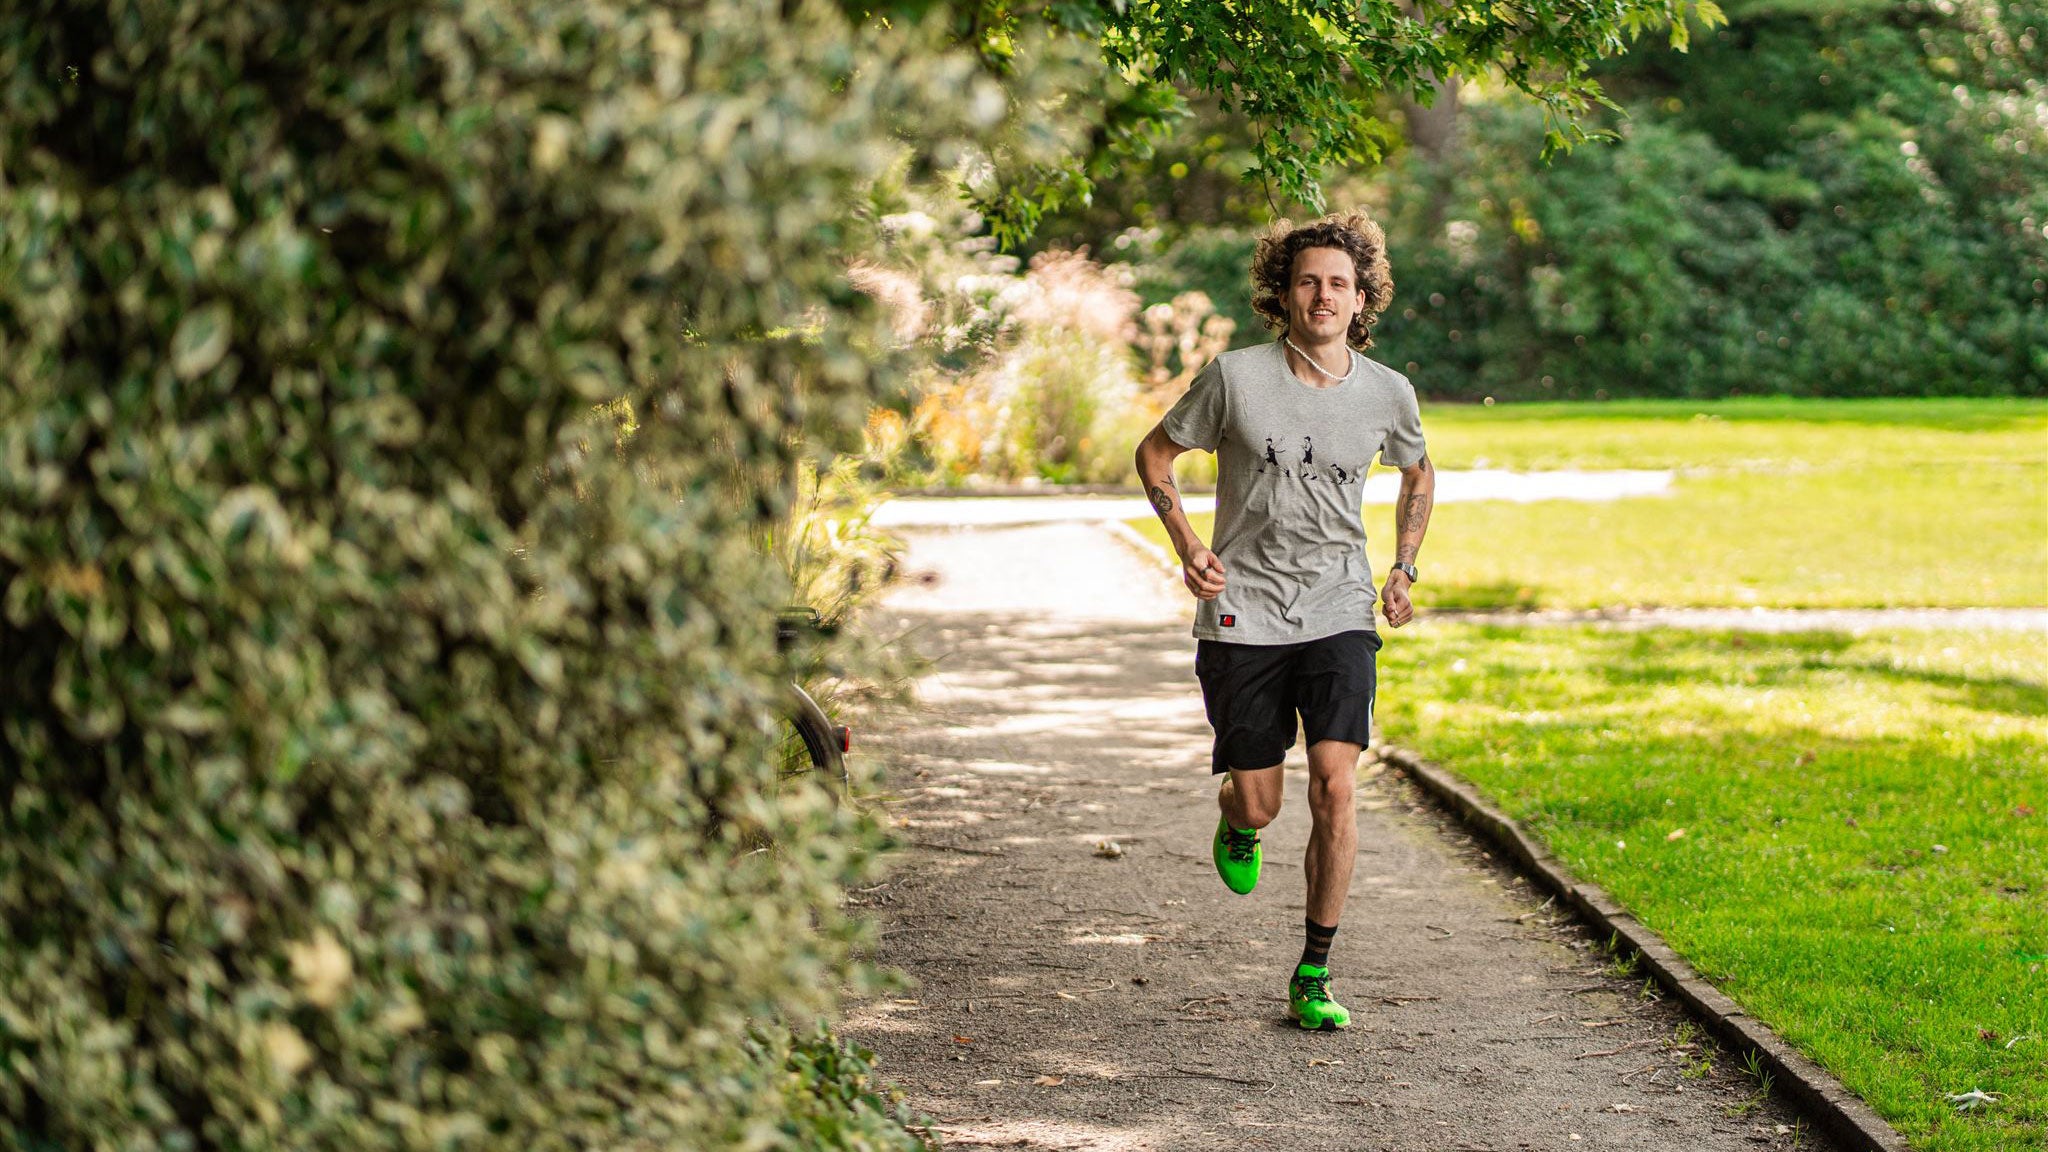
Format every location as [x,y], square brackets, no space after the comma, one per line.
[1821,198]
[381,706]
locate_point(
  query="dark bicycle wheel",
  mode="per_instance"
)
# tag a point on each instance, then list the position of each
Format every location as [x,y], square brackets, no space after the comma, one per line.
[811,742]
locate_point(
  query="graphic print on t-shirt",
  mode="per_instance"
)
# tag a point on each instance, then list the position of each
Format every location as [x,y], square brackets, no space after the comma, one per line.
[1337,474]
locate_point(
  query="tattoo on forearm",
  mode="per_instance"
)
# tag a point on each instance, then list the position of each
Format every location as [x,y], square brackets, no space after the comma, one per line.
[1161,502]
[1414,513]
[1410,521]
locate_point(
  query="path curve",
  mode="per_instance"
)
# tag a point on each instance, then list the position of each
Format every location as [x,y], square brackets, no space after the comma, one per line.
[1084,981]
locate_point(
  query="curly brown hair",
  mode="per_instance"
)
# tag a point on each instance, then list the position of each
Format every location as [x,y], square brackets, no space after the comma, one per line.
[1352,232]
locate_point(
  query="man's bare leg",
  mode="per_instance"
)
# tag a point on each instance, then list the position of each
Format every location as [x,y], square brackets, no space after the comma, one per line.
[1333,836]
[1250,798]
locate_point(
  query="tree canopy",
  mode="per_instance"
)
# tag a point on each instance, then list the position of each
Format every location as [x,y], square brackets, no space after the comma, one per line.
[1308,76]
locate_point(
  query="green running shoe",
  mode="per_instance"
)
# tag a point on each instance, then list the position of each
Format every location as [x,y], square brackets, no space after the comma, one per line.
[1309,1003]
[1237,855]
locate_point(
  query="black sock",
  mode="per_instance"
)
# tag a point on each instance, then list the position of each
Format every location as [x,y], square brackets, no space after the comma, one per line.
[1317,950]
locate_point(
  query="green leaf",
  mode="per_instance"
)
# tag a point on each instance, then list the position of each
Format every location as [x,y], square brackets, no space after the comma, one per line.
[200,341]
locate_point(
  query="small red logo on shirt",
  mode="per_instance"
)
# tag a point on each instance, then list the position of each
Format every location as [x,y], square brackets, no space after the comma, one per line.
[1230,621]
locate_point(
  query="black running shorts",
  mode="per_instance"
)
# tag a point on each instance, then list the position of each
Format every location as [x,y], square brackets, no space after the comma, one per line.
[1253,691]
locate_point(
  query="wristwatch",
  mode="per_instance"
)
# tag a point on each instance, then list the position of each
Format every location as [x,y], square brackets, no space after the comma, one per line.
[1408,570]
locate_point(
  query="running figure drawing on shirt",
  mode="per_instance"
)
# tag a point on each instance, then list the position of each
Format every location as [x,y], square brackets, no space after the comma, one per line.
[1308,453]
[1270,458]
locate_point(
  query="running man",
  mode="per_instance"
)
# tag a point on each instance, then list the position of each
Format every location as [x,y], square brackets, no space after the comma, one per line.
[1285,624]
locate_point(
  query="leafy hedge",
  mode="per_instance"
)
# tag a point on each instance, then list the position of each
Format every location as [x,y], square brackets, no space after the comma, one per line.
[376,716]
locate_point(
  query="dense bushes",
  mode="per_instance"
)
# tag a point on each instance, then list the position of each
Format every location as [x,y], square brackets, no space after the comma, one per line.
[374,707]
[1655,268]
[1814,201]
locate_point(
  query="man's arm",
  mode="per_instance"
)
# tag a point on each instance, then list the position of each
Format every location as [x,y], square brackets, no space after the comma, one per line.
[1199,568]
[1411,521]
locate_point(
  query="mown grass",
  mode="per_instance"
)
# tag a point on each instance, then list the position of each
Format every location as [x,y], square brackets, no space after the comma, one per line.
[1847,834]
[1777,503]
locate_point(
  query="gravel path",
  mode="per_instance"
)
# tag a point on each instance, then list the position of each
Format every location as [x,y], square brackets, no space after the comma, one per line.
[1070,996]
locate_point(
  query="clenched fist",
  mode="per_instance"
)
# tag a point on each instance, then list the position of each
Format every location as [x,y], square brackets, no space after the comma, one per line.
[1202,572]
[1394,599]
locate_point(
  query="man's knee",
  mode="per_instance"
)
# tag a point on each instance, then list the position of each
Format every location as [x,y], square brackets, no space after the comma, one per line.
[1329,793]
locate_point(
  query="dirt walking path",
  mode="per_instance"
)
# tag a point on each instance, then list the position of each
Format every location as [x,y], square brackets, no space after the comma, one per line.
[1086,982]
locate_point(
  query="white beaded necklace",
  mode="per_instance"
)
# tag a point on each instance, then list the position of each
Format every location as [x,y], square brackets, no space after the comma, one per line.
[1349,364]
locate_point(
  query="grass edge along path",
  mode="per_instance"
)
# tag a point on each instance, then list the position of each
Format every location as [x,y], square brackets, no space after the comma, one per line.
[1775,1064]
[1847,835]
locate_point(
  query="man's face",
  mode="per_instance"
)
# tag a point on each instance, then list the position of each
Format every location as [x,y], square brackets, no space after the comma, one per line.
[1324,294]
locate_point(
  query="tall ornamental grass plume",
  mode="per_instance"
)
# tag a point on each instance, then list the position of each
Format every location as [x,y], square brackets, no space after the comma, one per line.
[376,707]
[1032,371]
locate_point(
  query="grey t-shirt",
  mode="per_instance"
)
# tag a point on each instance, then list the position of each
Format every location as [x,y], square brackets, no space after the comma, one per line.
[1290,465]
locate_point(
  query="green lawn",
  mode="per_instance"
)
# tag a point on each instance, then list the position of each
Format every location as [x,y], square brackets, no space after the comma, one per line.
[1848,835]
[1777,503]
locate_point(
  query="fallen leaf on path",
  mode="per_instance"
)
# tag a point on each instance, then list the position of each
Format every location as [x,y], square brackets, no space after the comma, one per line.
[986,1083]
[1050,1081]
[1109,849]
[963,1039]
[1318,1061]
[1619,1108]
